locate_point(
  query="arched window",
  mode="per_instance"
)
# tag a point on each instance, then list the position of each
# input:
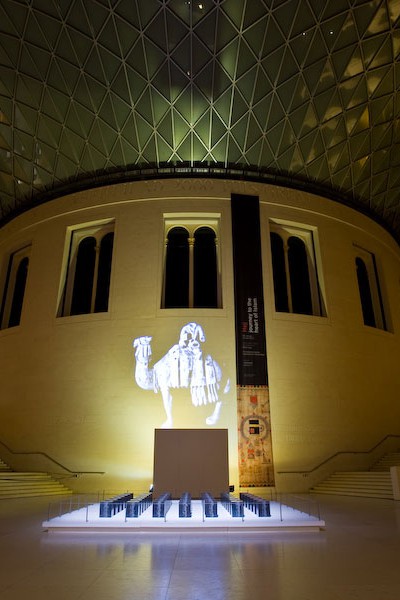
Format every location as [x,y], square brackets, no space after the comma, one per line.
[205,268]
[299,277]
[369,289]
[279,273]
[87,282]
[14,290]
[19,292]
[84,275]
[191,274]
[177,269]
[295,278]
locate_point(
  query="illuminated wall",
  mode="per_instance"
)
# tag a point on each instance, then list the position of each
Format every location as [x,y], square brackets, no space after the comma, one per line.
[69,384]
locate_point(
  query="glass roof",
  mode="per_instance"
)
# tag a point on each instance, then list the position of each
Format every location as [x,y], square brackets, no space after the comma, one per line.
[308,88]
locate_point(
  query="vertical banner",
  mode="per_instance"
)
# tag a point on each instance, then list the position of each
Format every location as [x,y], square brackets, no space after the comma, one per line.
[254,431]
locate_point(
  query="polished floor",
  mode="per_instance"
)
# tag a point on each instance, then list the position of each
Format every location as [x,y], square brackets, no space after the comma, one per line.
[357,556]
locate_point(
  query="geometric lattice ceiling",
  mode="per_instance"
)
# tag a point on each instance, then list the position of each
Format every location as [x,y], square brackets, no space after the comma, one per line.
[308,88]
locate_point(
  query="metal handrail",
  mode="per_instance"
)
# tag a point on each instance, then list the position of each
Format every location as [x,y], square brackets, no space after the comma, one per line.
[53,460]
[302,472]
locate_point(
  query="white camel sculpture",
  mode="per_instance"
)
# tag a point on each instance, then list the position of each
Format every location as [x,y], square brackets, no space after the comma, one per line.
[183,366]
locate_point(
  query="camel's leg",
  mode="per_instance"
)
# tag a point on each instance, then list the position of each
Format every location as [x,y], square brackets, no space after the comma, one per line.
[167,401]
[212,419]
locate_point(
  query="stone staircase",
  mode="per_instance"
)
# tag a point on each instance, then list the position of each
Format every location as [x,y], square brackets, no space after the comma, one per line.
[375,483]
[27,485]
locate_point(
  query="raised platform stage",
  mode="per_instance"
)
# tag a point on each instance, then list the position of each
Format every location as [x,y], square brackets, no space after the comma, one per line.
[283,518]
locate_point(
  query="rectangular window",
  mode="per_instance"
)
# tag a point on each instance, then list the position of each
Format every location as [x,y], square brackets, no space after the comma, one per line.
[191,276]
[14,289]
[296,279]
[87,276]
[369,289]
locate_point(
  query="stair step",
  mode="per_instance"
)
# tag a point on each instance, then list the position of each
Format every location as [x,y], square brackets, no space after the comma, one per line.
[30,484]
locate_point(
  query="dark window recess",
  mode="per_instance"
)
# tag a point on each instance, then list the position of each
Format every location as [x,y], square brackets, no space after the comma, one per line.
[365,293]
[177,269]
[19,292]
[84,275]
[104,273]
[279,273]
[299,277]
[205,269]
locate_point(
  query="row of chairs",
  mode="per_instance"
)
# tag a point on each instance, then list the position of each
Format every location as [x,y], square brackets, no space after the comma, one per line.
[185,505]
[232,504]
[136,506]
[112,506]
[258,505]
[209,505]
[162,505]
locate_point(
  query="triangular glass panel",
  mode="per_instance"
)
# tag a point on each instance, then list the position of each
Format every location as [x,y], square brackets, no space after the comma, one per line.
[180,128]
[203,127]
[127,35]
[380,20]
[239,131]
[160,106]
[184,149]
[200,56]
[234,152]
[25,118]
[145,133]
[381,136]
[136,59]
[221,81]
[288,138]
[272,64]
[120,87]
[274,136]
[7,82]
[246,84]
[164,150]
[285,15]
[109,38]
[184,106]
[343,160]
[108,114]
[78,18]
[135,82]
[222,107]
[204,81]
[277,112]
[181,56]
[327,106]
[23,145]
[313,74]
[165,128]
[234,10]
[254,35]
[263,85]
[261,111]
[17,13]
[273,38]
[239,107]
[379,183]
[381,161]
[175,30]
[334,131]
[49,132]
[245,60]
[50,24]
[318,169]
[360,145]
[143,106]
[218,129]
[71,145]
[199,105]
[304,20]
[227,58]
[130,152]
[254,12]
[347,35]
[199,151]
[381,110]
